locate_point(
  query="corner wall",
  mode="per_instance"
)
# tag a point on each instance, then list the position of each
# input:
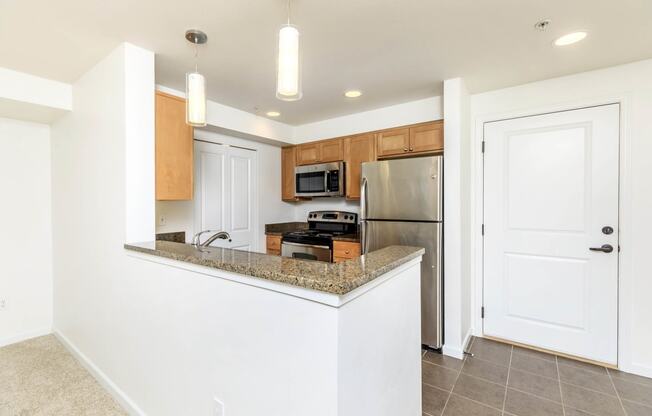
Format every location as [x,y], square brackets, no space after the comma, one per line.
[91,195]
[457,211]
[26,224]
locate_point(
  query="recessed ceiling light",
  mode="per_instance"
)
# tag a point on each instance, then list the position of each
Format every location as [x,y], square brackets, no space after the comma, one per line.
[353,94]
[273,114]
[570,38]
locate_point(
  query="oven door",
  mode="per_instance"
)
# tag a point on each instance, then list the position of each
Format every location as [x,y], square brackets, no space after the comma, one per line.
[319,180]
[306,251]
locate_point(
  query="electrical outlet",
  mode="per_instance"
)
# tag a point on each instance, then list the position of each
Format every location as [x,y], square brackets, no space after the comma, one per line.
[218,406]
[161,220]
[3,304]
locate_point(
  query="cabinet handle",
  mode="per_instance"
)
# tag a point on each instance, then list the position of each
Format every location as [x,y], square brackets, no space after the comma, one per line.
[405,149]
[346,252]
[411,149]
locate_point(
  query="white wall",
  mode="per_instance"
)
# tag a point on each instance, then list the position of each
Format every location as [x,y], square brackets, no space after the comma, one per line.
[457,287]
[225,117]
[632,86]
[25,221]
[179,214]
[140,169]
[90,196]
[412,112]
[30,98]
[302,208]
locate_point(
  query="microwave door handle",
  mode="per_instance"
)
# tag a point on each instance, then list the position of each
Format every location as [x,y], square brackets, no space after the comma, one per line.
[326,177]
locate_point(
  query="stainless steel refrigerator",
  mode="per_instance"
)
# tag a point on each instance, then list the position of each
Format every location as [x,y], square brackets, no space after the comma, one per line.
[401,204]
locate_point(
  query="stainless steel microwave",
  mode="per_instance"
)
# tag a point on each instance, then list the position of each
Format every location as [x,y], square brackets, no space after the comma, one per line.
[326,179]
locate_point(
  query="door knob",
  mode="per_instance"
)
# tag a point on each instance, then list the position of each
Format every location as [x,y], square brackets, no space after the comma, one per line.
[606,248]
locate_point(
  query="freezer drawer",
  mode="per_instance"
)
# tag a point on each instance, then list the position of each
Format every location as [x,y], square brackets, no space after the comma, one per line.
[379,234]
[402,189]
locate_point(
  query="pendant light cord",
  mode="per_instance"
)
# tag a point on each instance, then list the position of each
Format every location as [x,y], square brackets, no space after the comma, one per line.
[196,58]
[288,12]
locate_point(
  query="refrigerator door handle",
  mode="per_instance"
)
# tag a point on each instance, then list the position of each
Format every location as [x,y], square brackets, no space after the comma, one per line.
[363,216]
[363,199]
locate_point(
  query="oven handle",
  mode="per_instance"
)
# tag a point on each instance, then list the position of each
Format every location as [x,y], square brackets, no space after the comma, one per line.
[305,245]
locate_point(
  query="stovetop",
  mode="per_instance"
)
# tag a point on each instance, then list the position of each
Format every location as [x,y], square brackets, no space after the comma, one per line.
[323,226]
[313,233]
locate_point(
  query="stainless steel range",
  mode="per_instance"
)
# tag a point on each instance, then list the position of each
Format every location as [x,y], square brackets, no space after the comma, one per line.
[316,242]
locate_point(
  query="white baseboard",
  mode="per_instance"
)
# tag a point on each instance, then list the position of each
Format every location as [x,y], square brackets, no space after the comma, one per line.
[24,336]
[467,339]
[120,396]
[638,369]
[457,351]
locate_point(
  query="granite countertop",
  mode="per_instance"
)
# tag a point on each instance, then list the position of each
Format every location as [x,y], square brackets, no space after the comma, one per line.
[334,278]
[285,227]
[353,238]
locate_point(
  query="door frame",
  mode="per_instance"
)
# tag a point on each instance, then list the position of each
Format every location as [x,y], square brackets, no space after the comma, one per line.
[624,213]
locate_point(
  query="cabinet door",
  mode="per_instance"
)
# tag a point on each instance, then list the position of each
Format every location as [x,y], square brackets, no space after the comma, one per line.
[357,149]
[393,142]
[346,250]
[288,162]
[331,151]
[174,149]
[274,244]
[308,153]
[427,138]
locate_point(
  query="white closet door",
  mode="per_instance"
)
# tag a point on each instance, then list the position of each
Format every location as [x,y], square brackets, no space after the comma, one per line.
[242,174]
[225,194]
[551,186]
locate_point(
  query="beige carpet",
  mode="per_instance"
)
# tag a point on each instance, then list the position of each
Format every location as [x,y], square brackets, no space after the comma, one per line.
[39,377]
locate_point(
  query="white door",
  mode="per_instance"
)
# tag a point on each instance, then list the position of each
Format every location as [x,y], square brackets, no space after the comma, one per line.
[551,188]
[225,194]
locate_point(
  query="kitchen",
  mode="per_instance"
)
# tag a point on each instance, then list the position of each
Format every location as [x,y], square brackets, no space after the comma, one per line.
[213,242]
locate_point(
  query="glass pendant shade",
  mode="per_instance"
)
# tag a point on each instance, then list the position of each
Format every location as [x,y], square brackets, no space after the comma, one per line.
[195,99]
[288,78]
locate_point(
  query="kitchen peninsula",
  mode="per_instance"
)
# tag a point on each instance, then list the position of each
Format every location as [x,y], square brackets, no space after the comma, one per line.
[308,337]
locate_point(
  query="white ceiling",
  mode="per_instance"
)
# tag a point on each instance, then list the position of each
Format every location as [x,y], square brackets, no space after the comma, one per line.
[393,50]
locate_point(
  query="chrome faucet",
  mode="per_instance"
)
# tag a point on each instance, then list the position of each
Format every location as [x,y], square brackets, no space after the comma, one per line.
[221,234]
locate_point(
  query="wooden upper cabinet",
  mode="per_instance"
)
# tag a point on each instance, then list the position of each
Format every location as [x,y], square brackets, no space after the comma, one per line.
[288,162]
[307,154]
[427,137]
[357,150]
[393,142]
[174,149]
[331,151]
[320,152]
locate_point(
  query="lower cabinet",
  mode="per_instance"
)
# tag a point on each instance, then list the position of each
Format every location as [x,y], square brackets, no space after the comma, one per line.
[274,245]
[345,250]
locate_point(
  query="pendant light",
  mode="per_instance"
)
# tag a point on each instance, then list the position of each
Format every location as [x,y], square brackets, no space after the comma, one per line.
[288,76]
[196,85]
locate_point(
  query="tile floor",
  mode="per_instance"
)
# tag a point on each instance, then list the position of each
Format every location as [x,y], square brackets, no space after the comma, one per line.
[39,377]
[501,380]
